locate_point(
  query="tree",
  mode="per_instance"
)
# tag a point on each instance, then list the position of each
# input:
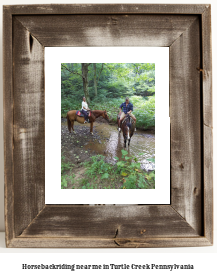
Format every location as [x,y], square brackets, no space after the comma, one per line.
[84,67]
[100,81]
[84,75]
[95,77]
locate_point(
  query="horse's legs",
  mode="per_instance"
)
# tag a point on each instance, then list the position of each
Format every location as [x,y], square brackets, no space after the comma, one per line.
[91,128]
[119,125]
[122,115]
[129,141]
[72,125]
[125,141]
[134,118]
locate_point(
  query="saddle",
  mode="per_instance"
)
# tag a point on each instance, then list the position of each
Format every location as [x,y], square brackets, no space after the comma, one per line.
[124,119]
[80,114]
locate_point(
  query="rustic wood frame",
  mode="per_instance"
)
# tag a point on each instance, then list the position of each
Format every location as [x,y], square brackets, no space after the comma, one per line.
[188,220]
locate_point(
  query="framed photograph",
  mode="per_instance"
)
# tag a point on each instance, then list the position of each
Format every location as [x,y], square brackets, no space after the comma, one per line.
[62,60]
[95,157]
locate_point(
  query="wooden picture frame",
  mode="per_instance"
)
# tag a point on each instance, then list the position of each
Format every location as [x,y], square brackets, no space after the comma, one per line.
[186,30]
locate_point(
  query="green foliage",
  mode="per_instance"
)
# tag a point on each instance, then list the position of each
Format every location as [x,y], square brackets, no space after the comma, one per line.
[114,83]
[152,159]
[68,103]
[63,182]
[145,112]
[105,176]
[98,166]
[127,170]
[126,174]
[65,167]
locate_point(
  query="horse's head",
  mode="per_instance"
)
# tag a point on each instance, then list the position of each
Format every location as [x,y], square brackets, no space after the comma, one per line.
[105,115]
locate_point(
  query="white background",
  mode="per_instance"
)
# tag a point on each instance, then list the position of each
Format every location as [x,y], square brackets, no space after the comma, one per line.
[205,259]
[53,192]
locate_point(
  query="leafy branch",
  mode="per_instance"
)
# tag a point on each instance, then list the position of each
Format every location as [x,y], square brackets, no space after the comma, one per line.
[73,72]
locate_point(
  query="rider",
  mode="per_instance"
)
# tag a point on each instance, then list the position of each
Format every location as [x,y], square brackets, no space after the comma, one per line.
[84,109]
[127,109]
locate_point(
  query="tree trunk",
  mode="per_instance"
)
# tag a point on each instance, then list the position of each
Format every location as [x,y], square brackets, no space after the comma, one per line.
[95,82]
[84,67]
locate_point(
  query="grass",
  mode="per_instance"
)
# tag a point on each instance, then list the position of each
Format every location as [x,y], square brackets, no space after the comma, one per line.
[125,174]
[66,173]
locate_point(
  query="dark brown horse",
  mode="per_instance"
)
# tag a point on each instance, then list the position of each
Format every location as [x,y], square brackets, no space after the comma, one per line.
[128,129]
[71,117]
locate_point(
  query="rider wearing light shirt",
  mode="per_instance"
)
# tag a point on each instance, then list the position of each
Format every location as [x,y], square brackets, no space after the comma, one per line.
[84,109]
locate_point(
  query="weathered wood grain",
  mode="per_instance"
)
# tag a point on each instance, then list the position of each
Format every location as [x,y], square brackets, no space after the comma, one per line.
[107,9]
[208,183]
[8,126]
[186,133]
[29,130]
[207,118]
[207,66]
[107,30]
[186,29]
[109,221]
[69,242]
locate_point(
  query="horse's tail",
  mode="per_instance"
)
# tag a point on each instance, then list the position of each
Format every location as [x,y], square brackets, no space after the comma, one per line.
[69,123]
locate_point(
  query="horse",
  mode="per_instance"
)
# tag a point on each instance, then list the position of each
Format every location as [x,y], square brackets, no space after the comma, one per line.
[127,128]
[71,117]
[119,122]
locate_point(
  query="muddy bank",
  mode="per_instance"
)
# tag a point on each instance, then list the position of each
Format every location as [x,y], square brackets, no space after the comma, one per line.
[73,144]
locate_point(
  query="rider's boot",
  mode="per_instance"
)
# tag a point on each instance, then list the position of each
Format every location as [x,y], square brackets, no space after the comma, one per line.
[119,129]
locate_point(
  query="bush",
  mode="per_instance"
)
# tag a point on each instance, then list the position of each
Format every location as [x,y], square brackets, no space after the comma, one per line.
[145,113]
[127,170]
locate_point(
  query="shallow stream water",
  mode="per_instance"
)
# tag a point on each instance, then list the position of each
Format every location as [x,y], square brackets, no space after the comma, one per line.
[141,142]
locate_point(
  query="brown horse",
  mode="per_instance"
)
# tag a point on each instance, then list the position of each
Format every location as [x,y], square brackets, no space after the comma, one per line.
[119,122]
[128,129]
[71,117]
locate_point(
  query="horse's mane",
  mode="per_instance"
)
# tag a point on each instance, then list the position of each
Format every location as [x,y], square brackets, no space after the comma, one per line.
[127,122]
[97,111]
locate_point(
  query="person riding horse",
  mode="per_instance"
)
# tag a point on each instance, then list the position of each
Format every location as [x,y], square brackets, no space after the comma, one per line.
[84,109]
[127,109]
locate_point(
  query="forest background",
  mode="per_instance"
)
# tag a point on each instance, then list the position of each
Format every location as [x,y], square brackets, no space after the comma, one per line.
[105,86]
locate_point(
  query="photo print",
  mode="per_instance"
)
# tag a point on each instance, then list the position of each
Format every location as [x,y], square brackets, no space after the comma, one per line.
[107,114]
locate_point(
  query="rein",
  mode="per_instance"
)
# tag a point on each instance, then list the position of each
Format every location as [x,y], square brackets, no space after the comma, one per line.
[97,114]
